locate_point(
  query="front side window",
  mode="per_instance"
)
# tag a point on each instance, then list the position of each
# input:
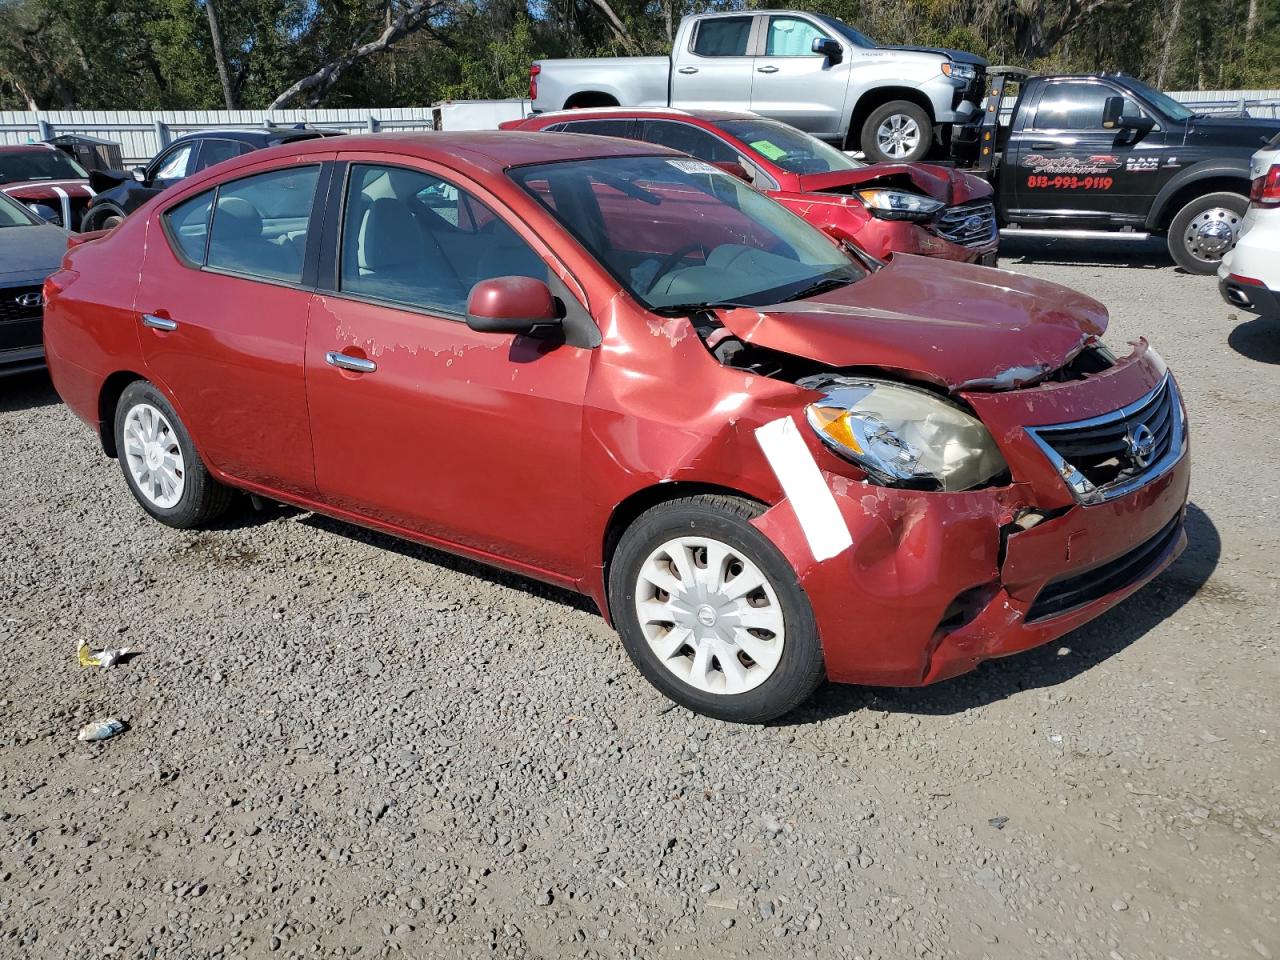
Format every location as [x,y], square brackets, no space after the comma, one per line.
[688,139]
[722,37]
[411,238]
[791,37]
[676,232]
[789,148]
[176,164]
[188,225]
[39,164]
[1077,106]
[260,223]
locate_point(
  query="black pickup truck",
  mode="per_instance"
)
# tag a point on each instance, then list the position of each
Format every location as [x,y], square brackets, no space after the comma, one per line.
[1105,155]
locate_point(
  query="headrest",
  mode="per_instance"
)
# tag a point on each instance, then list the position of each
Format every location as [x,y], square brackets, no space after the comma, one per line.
[389,237]
[236,218]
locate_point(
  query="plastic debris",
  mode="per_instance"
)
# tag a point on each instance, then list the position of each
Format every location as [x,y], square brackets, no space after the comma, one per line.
[101,729]
[998,822]
[101,658]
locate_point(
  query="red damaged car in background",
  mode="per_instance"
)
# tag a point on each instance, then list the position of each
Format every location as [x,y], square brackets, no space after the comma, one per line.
[47,182]
[616,369]
[884,208]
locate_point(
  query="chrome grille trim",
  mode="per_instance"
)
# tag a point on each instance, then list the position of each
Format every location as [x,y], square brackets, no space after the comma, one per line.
[1061,442]
[954,223]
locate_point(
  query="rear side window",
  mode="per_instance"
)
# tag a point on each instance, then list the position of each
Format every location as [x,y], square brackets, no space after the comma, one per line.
[601,128]
[215,151]
[188,225]
[722,37]
[688,139]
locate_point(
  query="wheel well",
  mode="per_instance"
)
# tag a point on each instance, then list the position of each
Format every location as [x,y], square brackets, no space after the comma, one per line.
[1198,188]
[872,100]
[590,98]
[108,397]
[630,509]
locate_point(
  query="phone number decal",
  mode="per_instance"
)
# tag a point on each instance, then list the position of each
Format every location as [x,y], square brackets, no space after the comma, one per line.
[1070,183]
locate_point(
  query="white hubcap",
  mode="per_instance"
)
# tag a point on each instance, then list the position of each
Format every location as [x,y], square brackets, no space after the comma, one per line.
[710,615]
[153,455]
[898,136]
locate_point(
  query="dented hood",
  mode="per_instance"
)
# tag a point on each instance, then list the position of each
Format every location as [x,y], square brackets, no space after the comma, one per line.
[947,184]
[960,326]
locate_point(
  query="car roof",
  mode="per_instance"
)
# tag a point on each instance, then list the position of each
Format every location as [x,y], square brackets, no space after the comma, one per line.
[263,136]
[26,147]
[672,113]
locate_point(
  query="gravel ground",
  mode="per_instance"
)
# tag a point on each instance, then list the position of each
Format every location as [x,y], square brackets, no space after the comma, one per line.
[345,745]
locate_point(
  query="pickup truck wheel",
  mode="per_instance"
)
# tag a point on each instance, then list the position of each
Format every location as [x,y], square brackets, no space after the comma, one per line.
[899,131]
[710,611]
[1205,229]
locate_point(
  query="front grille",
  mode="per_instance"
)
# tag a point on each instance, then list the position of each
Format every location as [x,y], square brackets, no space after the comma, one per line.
[10,307]
[968,224]
[1069,593]
[1111,455]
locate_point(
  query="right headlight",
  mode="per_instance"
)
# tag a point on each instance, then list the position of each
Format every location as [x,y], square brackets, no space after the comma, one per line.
[904,436]
[891,204]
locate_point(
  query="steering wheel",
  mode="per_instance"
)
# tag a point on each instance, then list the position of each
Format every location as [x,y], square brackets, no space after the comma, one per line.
[672,260]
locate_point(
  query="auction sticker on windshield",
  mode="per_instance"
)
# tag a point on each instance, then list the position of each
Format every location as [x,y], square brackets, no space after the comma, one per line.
[692,166]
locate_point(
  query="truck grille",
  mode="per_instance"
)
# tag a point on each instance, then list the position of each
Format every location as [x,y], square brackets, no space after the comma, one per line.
[1116,453]
[1062,596]
[12,306]
[968,224]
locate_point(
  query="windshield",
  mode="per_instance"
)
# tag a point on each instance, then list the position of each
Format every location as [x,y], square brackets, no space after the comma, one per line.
[13,215]
[855,37]
[1170,107]
[678,233]
[48,164]
[790,149]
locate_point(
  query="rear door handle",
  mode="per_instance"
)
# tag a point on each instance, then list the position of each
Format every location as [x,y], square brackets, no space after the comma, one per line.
[687,70]
[158,323]
[344,361]
[766,69]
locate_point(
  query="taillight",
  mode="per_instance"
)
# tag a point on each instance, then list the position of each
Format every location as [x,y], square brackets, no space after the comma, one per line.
[1265,190]
[534,70]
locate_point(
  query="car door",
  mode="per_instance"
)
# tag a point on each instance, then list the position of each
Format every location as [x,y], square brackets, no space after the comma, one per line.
[716,70]
[420,422]
[222,314]
[1069,165]
[793,84]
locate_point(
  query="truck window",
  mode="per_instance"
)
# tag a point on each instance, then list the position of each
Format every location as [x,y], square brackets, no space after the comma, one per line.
[687,139]
[1076,106]
[791,37]
[722,37]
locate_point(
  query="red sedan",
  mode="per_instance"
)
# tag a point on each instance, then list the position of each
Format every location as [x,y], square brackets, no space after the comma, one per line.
[47,182]
[617,369]
[884,208]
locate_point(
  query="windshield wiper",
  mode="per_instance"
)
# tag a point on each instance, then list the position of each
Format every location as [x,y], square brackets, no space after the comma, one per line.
[821,286]
[684,309]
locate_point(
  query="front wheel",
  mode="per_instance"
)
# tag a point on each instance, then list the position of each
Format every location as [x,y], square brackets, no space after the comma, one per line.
[899,131]
[161,466]
[1205,229]
[711,613]
[102,218]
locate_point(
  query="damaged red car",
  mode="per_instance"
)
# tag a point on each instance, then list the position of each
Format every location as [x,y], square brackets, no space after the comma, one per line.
[884,208]
[612,368]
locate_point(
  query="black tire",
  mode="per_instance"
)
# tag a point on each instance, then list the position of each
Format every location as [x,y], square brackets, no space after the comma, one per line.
[1193,252]
[102,218]
[896,108]
[800,668]
[202,498]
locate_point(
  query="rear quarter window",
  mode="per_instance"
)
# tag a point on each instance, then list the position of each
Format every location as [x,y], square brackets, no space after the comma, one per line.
[188,226]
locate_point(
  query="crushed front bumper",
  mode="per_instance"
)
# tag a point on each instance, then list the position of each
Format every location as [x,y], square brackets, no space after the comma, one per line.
[935,583]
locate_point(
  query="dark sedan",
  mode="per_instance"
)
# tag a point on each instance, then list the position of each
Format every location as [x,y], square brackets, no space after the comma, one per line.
[119,193]
[30,250]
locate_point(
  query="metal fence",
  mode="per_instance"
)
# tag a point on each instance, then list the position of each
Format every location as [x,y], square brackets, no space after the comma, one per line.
[1235,103]
[143,133]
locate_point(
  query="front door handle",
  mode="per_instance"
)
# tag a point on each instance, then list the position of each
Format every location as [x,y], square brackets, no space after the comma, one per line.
[158,323]
[766,69]
[1044,146]
[344,361]
[687,70]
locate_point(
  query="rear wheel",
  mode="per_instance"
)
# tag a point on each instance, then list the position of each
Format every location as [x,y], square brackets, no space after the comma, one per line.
[1205,229]
[161,466]
[102,218]
[899,131]
[711,613]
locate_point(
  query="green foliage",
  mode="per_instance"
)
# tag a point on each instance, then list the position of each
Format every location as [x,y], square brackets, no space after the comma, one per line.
[146,54]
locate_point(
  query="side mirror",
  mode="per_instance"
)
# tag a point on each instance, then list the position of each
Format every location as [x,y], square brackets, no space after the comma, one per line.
[139,174]
[826,47]
[511,305]
[1113,117]
[733,168]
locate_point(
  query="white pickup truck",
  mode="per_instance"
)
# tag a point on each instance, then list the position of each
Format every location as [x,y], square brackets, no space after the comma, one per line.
[811,71]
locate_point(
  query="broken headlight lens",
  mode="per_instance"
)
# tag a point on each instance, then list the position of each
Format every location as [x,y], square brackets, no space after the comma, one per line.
[903,436]
[899,204]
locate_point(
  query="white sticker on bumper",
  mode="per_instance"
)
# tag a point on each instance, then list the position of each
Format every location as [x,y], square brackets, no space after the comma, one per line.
[806,491]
